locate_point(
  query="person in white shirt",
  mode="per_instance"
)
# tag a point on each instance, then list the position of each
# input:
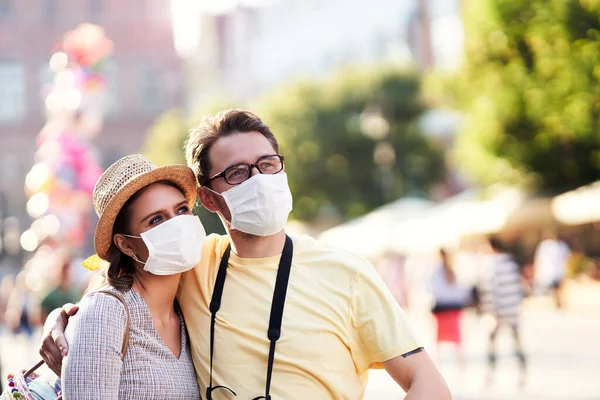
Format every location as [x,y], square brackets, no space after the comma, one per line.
[550,264]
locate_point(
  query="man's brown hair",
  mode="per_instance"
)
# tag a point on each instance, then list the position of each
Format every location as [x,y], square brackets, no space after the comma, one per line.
[214,127]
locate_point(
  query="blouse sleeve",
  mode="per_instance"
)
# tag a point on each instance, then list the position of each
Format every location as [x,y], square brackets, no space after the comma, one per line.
[92,369]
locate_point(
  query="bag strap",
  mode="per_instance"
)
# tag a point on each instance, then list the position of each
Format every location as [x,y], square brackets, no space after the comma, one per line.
[215,305]
[126,335]
[279,294]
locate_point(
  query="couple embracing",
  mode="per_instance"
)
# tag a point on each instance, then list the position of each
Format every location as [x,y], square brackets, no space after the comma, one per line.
[254,314]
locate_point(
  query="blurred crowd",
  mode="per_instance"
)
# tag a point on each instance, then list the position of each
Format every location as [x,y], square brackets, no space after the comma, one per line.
[45,283]
[488,277]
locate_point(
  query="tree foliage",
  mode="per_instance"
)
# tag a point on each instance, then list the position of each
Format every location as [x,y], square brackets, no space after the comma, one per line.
[334,165]
[530,92]
[323,126]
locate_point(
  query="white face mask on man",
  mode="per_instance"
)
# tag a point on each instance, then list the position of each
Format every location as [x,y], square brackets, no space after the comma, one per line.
[260,205]
[175,246]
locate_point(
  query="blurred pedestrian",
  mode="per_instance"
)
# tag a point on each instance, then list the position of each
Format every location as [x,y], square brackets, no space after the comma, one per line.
[21,309]
[64,292]
[502,295]
[450,299]
[6,287]
[550,265]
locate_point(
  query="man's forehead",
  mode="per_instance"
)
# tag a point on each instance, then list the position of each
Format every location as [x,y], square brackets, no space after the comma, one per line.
[244,147]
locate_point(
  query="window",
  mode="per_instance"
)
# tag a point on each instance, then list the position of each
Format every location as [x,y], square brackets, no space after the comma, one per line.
[95,8]
[149,88]
[12,92]
[5,7]
[50,8]
[111,74]
[45,77]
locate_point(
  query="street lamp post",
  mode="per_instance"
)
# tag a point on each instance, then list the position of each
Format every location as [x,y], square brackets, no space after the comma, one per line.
[374,125]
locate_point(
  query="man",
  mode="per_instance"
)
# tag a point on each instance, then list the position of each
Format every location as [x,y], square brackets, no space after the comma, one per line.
[338,318]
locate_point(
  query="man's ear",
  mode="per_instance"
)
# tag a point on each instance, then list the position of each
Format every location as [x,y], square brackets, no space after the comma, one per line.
[207,198]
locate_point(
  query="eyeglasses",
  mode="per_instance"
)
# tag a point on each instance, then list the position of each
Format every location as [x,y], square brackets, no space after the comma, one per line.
[236,174]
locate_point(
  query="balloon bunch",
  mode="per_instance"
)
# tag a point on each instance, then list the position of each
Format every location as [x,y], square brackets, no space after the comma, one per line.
[60,183]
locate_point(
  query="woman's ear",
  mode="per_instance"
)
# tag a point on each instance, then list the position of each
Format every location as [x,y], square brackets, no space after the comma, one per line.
[123,244]
[208,199]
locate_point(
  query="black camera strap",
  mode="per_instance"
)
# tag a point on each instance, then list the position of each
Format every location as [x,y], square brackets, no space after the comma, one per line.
[277,305]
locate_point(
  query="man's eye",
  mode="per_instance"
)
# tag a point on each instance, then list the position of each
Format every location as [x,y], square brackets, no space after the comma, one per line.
[235,173]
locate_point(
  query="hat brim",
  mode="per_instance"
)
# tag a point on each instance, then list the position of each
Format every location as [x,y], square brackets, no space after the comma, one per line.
[180,175]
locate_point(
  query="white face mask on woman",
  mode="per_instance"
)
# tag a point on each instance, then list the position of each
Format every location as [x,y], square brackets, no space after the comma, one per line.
[260,205]
[174,246]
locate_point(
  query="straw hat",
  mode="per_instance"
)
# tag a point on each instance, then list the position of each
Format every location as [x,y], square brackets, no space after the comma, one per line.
[121,181]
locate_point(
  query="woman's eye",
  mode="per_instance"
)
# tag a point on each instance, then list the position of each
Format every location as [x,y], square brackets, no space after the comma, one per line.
[155,220]
[184,210]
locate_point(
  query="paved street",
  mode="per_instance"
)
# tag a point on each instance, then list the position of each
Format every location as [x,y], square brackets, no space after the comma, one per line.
[563,350]
[564,362]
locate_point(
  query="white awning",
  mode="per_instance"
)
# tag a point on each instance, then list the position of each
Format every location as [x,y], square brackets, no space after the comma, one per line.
[370,234]
[580,206]
[462,215]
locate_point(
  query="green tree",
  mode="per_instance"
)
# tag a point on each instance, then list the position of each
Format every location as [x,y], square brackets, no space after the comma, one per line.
[529,89]
[352,141]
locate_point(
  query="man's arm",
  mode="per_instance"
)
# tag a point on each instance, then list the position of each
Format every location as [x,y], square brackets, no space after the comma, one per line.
[419,378]
[54,344]
[382,335]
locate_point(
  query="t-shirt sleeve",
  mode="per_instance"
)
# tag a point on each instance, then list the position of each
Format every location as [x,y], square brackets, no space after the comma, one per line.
[380,328]
[92,369]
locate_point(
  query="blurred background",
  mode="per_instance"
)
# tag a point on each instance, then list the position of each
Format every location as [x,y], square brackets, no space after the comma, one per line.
[448,141]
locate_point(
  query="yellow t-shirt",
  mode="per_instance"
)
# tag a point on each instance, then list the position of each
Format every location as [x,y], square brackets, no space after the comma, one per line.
[339,319]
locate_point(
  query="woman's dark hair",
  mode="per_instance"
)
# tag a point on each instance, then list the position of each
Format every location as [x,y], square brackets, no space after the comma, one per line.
[120,271]
[448,268]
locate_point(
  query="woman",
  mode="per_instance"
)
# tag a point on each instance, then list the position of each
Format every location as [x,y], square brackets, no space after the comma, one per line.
[450,299]
[146,237]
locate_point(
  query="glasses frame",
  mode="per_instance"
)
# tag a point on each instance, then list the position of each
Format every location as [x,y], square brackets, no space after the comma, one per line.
[222,174]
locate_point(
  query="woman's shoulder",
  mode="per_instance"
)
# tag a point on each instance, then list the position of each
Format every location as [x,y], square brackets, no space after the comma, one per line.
[106,300]
[101,317]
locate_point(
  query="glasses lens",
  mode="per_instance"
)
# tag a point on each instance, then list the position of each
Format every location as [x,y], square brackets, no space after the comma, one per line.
[270,165]
[237,174]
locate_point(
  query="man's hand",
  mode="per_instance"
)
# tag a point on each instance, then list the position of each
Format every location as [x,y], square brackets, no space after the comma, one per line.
[54,344]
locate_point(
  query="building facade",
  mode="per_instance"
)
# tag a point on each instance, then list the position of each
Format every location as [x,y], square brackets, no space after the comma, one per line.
[248,50]
[144,76]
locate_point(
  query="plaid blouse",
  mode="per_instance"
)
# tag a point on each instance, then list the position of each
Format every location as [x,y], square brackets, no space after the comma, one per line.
[94,369]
